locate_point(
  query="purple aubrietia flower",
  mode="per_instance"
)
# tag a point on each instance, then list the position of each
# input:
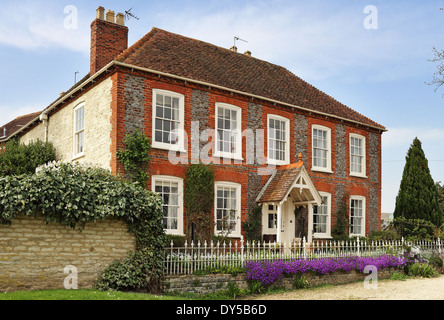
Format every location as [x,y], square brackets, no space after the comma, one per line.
[268,272]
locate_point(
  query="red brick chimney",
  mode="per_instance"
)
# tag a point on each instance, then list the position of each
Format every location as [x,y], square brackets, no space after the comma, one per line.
[109,38]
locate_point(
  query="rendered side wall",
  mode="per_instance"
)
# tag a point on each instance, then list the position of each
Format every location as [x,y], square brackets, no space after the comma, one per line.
[97,127]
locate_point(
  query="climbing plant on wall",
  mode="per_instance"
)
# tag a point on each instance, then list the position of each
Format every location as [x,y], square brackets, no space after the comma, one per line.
[135,157]
[199,200]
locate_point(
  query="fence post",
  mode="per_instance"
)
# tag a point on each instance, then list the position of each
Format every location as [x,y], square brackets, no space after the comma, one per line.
[357,245]
[439,246]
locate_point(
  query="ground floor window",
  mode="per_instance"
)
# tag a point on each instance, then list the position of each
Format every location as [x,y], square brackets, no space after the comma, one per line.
[357,216]
[227,208]
[171,191]
[322,216]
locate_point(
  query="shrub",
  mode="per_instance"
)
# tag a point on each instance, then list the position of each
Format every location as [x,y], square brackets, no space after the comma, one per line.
[425,270]
[17,159]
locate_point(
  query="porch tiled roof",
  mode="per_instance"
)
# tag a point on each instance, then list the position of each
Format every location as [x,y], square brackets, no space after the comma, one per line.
[197,60]
[279,184]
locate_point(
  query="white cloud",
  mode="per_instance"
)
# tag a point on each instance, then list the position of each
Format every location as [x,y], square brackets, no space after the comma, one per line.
[316,40]
[26,26]
[396,137]
[10,113]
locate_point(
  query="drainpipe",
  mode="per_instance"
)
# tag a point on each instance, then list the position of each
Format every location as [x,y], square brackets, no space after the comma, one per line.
[44,119]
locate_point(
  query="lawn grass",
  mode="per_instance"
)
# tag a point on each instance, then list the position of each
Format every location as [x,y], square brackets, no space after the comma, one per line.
[76,295]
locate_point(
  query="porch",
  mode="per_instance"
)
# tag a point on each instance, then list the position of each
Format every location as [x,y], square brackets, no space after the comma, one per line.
[287,201]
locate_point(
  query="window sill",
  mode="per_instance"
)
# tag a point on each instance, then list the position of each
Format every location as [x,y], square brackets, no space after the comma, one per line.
[174,233]
[358,175]
[325,170]
[277,162]
[228,156]
[321,236]
[168,148]
[77,157]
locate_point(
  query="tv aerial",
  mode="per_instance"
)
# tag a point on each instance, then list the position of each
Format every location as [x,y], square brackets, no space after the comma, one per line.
[236,38]
[129,15]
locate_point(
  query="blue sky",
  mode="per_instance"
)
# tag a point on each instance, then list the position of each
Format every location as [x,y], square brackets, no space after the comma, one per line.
[380,72]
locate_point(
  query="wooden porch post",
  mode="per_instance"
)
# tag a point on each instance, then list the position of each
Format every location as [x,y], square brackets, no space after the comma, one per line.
[279,222]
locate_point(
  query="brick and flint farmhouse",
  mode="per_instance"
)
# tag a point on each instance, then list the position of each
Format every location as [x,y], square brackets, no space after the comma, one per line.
[273,139]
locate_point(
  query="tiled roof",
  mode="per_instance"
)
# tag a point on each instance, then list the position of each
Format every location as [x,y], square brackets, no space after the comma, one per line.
[279,184]
[17,124]
[197,60]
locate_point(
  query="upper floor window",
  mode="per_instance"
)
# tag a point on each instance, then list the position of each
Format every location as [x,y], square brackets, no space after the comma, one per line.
[171,191]
[321,143]
[168,120]
[357,155]
[228,128]
[322,216]
[278,140]
[357,216]
[79,130]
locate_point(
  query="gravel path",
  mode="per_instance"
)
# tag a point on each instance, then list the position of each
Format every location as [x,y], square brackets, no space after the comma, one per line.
[410,289]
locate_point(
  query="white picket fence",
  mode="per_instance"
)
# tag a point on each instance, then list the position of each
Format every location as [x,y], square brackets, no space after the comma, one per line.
[196,256]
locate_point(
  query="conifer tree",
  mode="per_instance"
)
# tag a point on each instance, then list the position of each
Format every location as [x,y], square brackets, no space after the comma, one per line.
[418,195]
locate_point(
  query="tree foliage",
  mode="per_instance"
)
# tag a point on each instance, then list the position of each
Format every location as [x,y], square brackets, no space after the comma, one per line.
[16,158]
[418,195]
[438,76]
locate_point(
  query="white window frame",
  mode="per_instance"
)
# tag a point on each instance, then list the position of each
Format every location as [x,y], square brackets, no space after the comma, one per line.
[328,137]
[287,140]
[76,133]
[327,234]
[363,171]
[236,231]
[179,181]
[180,146]
[238,131]
[363,199]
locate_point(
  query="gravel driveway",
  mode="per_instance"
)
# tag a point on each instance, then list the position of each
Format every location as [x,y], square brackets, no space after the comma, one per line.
[410,289]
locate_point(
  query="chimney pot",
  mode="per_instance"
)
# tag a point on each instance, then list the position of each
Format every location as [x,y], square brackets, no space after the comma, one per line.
[100,13]
[233,48]
[248,53]
[108,39]
[110,16]
[120,19]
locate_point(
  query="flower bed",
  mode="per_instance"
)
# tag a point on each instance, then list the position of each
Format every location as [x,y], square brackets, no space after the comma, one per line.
[269,272]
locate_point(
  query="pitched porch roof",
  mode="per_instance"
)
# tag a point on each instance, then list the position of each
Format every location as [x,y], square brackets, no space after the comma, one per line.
[290,180]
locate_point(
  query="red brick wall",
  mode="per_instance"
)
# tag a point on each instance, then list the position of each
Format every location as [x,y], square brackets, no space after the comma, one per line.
[239,173]
[107,41]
